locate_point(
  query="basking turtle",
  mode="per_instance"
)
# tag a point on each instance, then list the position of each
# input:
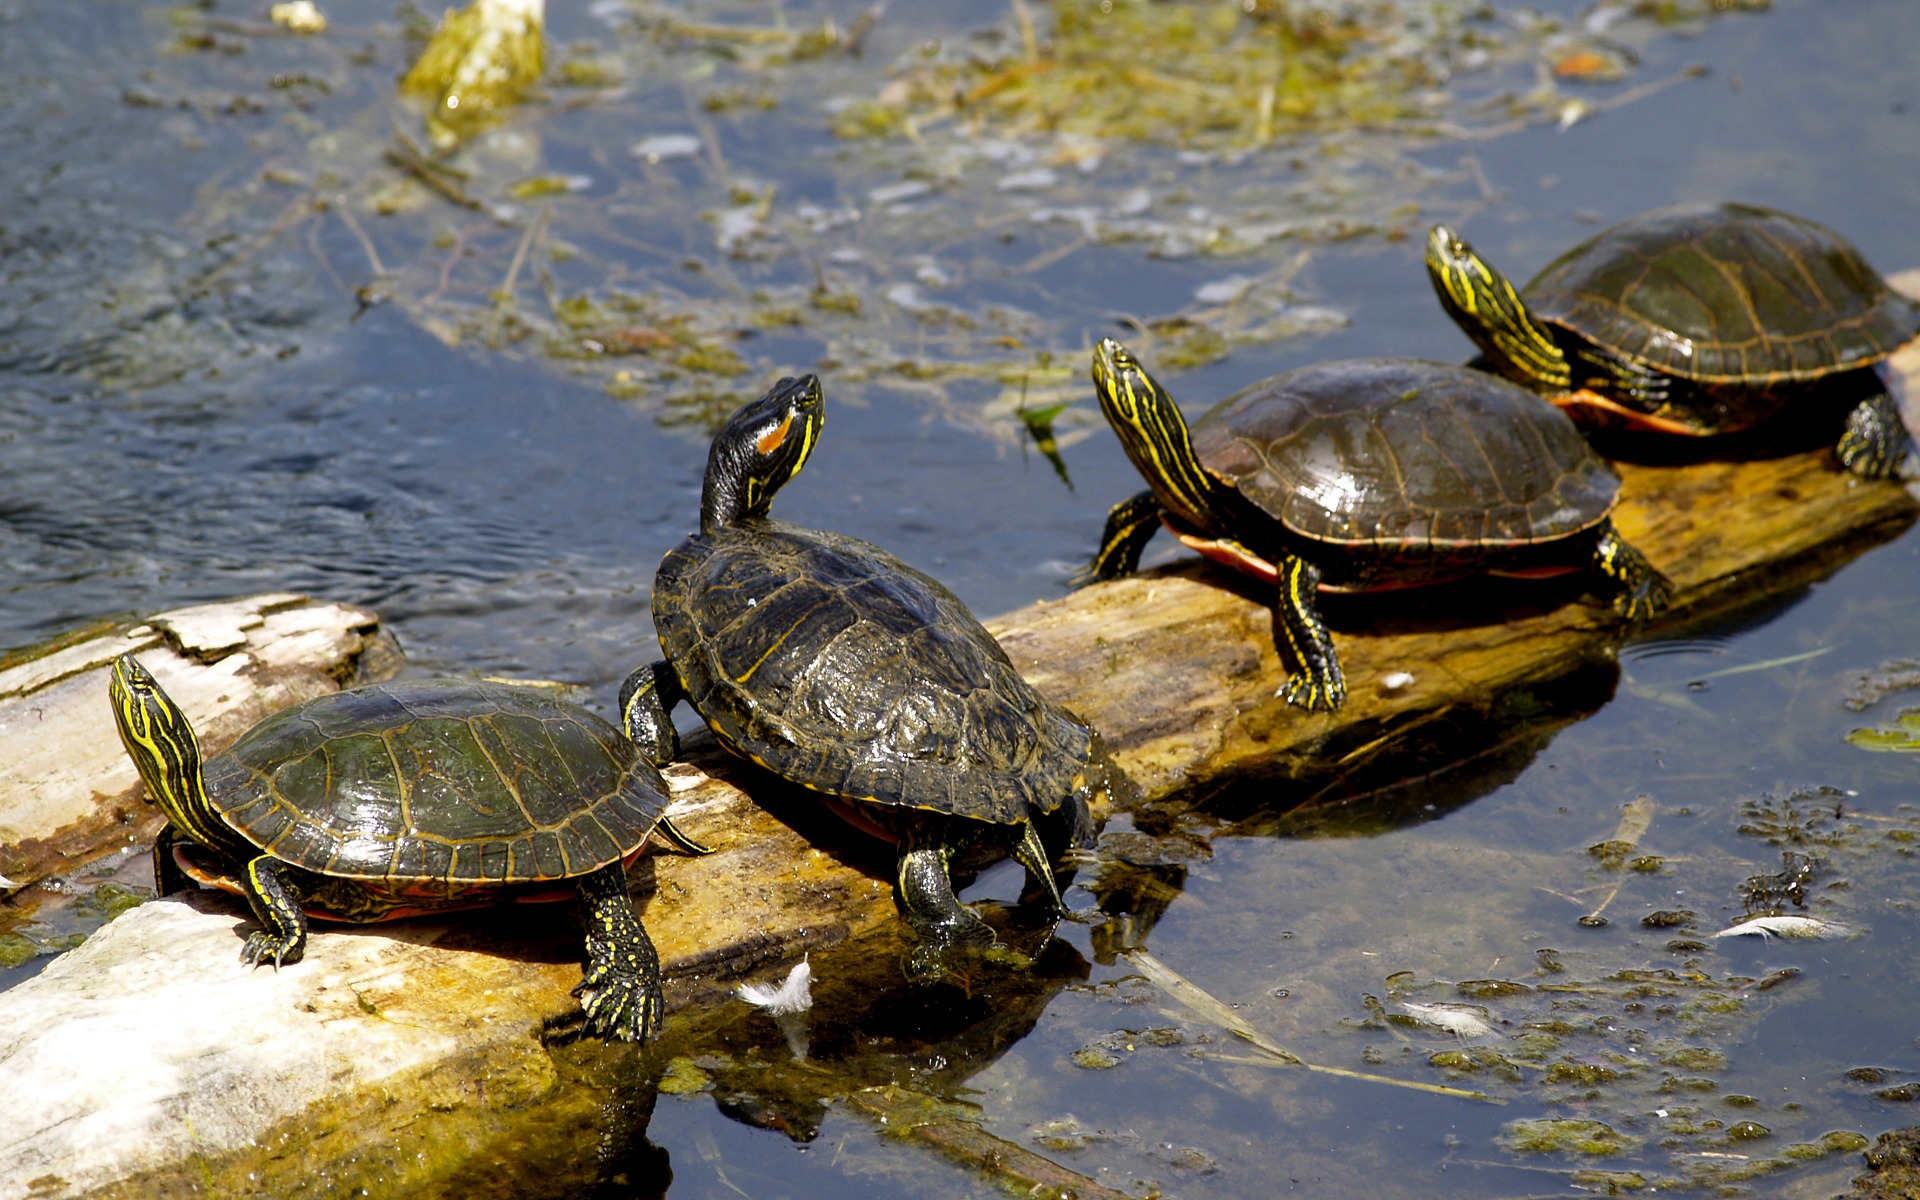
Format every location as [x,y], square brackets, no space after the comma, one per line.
[397,799]
[1698,320]
[1364,474]
[835,665]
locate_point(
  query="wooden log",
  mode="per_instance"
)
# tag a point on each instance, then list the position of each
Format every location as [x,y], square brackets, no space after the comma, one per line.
[1177,667]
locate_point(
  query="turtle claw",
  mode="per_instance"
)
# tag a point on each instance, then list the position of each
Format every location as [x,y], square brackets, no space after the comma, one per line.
[1315,695]
[263,946]
[1648,599]
[619,1005]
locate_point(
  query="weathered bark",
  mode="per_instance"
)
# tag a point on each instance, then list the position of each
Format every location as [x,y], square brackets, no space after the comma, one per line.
[1177,667]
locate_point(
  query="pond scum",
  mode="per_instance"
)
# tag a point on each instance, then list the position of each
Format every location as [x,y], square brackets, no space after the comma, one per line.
[702,195]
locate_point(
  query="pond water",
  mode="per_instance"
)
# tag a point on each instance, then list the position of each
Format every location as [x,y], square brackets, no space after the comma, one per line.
[241,350]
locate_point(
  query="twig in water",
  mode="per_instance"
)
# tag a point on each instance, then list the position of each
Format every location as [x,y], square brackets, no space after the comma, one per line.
[1198,1000]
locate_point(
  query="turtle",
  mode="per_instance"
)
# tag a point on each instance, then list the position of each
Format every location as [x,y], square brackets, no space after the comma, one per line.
[838,667]
[1698,319]
[395,799]
[1364,474]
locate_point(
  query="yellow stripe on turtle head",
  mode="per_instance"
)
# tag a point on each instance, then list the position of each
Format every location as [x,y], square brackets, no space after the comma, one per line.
[164,749]
[1155,435]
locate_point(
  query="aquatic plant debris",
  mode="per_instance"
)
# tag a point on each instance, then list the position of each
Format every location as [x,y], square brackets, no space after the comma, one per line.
[1197,999]
[1031,150]
[1903,735]
[483,58]
[1796,928]
[1462,1020]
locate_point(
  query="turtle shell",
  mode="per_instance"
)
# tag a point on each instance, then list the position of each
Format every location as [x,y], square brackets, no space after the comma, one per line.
[446,784]
[1726,294]
[1407,457]
[835,665]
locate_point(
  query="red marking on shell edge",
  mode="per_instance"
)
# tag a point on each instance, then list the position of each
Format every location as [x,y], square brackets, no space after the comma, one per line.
[849,811]
[1232,554]
[1241,559]
[482,895]
[1585,400]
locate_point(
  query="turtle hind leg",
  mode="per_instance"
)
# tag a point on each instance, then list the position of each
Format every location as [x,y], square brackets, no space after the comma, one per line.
[271,891]
[620,991]
[1642,591]
[1317,684]
[1130,526]
[925,890]
[1876,444]
[647,701]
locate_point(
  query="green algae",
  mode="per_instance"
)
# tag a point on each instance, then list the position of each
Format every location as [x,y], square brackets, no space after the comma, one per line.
[684,1076]
[1189,73]
[1902,735]
[1565,1135]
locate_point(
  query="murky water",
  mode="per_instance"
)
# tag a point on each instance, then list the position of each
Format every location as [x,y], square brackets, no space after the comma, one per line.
[195,404]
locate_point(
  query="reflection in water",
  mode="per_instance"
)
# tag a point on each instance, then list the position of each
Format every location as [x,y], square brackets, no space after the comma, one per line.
[870,1028]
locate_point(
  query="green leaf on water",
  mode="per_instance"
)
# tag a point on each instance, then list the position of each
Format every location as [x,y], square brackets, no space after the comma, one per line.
[1903,735]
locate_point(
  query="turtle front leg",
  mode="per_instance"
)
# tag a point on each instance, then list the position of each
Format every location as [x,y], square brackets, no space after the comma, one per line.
[1639,387]
[647,700]
[276,904]
[620,992]
[1130,526]
[1876,444]
[168,878]
[926,894]
[1318,685]
[1642,590]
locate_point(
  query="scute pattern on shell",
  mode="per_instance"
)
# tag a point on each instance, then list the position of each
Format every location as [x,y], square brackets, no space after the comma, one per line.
[1408,456]
[440,784]
[1726,293]
[836,665]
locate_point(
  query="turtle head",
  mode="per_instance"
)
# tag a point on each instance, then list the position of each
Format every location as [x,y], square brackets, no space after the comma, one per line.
[162,746]
[1155,435]
[759,449]
[1489,310]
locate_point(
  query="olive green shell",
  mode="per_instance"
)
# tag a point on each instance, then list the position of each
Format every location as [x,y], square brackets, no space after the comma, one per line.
[1406,455]
[832,663]
[1726,293]
[446,781]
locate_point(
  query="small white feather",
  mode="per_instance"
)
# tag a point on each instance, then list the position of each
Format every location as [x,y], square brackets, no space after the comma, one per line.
[795,995]
[1787,927]
[7,885]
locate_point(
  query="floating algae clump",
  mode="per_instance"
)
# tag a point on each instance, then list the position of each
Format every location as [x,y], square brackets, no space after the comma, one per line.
[1565,1136]
[1200,74]
[483,58]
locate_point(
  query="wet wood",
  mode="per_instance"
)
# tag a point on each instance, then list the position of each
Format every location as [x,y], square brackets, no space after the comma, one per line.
[1177,667]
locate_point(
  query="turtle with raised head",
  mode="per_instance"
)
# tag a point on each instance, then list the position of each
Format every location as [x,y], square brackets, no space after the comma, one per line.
[834,665]
[398,799]
[1360,475]
[1698,320]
